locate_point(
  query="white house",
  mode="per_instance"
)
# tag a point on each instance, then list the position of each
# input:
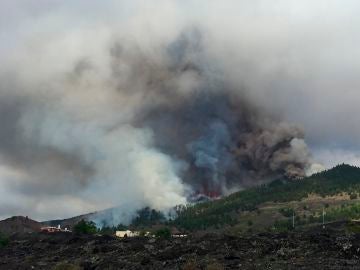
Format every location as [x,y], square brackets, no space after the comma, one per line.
[127,233]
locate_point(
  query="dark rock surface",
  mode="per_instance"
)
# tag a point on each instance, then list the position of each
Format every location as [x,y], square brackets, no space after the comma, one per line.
[316,249]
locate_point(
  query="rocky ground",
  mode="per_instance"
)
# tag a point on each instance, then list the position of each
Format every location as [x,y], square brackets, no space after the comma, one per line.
[314,249]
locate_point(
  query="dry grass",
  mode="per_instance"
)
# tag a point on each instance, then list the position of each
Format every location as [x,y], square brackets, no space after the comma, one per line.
[269,211]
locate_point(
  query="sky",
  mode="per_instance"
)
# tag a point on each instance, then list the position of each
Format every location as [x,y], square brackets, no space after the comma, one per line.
[296,59]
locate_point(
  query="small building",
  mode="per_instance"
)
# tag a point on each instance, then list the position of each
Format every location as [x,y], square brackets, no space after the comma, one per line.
[127,233]
[51,229]
[175,233]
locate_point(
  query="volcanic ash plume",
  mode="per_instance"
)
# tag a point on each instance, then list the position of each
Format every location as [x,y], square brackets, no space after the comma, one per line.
[225,139]
[125,125]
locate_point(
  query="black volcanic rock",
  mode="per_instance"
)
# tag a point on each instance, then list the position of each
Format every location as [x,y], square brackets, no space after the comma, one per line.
[315,248]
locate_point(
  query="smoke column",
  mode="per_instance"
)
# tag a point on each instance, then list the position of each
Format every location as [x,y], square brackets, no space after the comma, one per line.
[128,122]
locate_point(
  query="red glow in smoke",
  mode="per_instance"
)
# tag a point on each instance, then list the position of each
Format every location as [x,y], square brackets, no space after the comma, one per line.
[212,191]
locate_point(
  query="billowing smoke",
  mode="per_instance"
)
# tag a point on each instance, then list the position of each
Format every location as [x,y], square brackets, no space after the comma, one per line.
[225,139]
[92,119]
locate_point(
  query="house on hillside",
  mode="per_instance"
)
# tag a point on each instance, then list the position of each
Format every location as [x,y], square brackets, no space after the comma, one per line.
[127,233]
[50,229]
[175,233]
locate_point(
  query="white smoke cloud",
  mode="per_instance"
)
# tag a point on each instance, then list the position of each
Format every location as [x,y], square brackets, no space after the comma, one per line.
[75,110]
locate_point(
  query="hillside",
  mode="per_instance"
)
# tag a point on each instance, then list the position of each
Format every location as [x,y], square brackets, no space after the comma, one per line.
[235,219]
[19,224]
[340,184]
[265,207]
[68,222]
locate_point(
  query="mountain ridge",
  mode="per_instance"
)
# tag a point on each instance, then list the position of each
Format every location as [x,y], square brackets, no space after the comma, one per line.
[340,179]
[225,211]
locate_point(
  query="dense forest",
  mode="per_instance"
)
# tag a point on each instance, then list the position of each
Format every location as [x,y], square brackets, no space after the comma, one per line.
[340,179]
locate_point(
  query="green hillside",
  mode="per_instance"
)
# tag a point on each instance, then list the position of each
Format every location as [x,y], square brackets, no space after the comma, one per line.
[282,195]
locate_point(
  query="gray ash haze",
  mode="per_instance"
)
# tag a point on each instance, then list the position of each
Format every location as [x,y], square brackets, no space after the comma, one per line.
[131,104]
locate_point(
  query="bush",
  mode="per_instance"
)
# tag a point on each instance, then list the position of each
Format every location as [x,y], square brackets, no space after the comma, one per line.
[143,233]
[353,227]
[86,227]
[282,225]
[4,241]
[163,233]
[353,196]
[107,230]
[121,227]
[286,212]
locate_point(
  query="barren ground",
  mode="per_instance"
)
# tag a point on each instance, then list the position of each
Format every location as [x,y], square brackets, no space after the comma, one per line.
[313,249]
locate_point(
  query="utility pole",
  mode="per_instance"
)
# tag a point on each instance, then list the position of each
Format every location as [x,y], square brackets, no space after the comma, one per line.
[323,218]
[293,219]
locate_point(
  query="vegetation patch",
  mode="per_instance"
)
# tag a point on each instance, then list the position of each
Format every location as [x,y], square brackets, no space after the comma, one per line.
[163,233]
[353,227]
[342,179]
[4,240]
[85,227]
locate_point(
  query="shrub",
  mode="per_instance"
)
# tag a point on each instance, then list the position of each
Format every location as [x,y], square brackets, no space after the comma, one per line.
[121,227]
[353,227]
[86,227]
[286,212]
[353,196]
[4,241]
[282,225]
[143,233]
[163,233]
[107,230]
[312,219]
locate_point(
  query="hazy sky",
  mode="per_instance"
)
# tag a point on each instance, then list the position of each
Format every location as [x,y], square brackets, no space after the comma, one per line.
[298,58]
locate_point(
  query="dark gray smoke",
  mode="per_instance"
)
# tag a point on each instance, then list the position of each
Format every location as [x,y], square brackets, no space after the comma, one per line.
[226,140]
